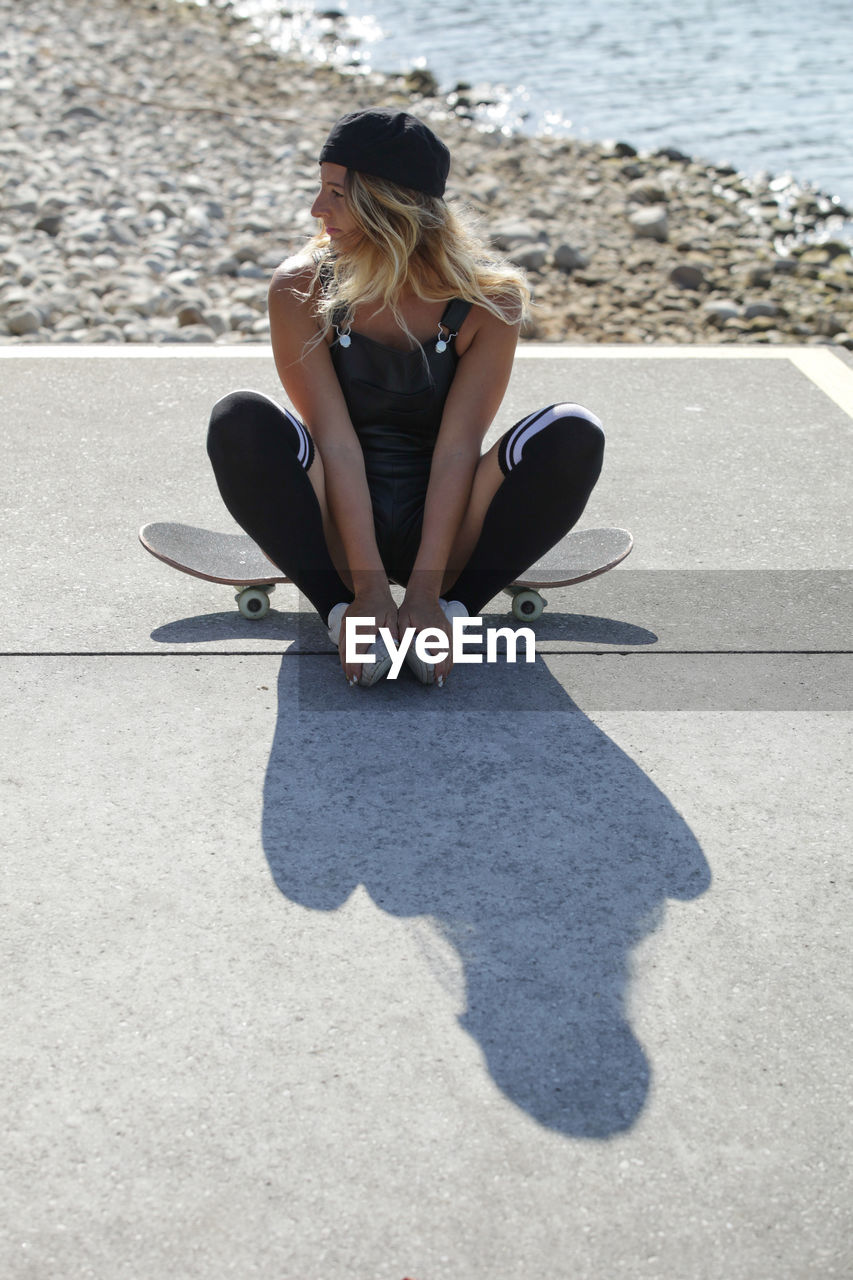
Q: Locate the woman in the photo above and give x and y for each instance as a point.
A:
(393, 335)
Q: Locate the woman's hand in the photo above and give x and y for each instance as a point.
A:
(376, 604)
(420, 612)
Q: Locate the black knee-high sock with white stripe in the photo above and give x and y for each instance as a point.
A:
(551, 461)
(260, 455)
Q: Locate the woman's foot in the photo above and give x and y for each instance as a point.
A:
(425, 671)
(371, 672)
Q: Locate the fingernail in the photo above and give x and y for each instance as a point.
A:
(440, 682)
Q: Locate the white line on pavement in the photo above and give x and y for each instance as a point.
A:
(819, 364)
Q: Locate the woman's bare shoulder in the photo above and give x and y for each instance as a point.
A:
(292, 310)
(294, 280)
(487, 328)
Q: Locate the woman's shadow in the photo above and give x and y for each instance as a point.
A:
(532, 843)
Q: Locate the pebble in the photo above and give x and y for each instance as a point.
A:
(568, 258)
(721, 310)
(507, 236)
(756, 309)
(147, 196)
(650, 223)
(23, 320)
(531, 257)
(687, 276)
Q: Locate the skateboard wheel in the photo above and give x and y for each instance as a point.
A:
(527, 606)
(253, 603)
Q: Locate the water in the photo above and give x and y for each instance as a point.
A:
(765, 85)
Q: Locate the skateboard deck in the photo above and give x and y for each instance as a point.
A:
(582, 554)
(236, 561)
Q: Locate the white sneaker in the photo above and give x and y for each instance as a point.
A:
(425, 671)
(336, 617)
(371, 672)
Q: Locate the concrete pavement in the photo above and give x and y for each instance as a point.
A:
(545, 974)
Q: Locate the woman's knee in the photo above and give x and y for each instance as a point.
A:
(232, 419)
(561, 436)
(578, 433)
(248, 423)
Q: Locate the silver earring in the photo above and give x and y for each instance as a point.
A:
(343, 338)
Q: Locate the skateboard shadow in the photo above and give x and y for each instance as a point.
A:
(502, 816)
(305, 632)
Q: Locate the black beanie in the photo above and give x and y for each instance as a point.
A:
(392, 145)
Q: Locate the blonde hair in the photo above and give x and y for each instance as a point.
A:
(409, 240)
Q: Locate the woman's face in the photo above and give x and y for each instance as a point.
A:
(331, 206)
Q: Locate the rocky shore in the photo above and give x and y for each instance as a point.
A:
(156, 164)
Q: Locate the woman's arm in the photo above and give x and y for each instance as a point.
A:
(312, 385)
(475, 395)
(313, 388)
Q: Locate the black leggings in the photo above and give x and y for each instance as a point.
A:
(261, 455)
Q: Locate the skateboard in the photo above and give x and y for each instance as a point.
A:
(235, 560)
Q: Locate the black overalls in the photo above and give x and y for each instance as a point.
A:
(396, 400)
